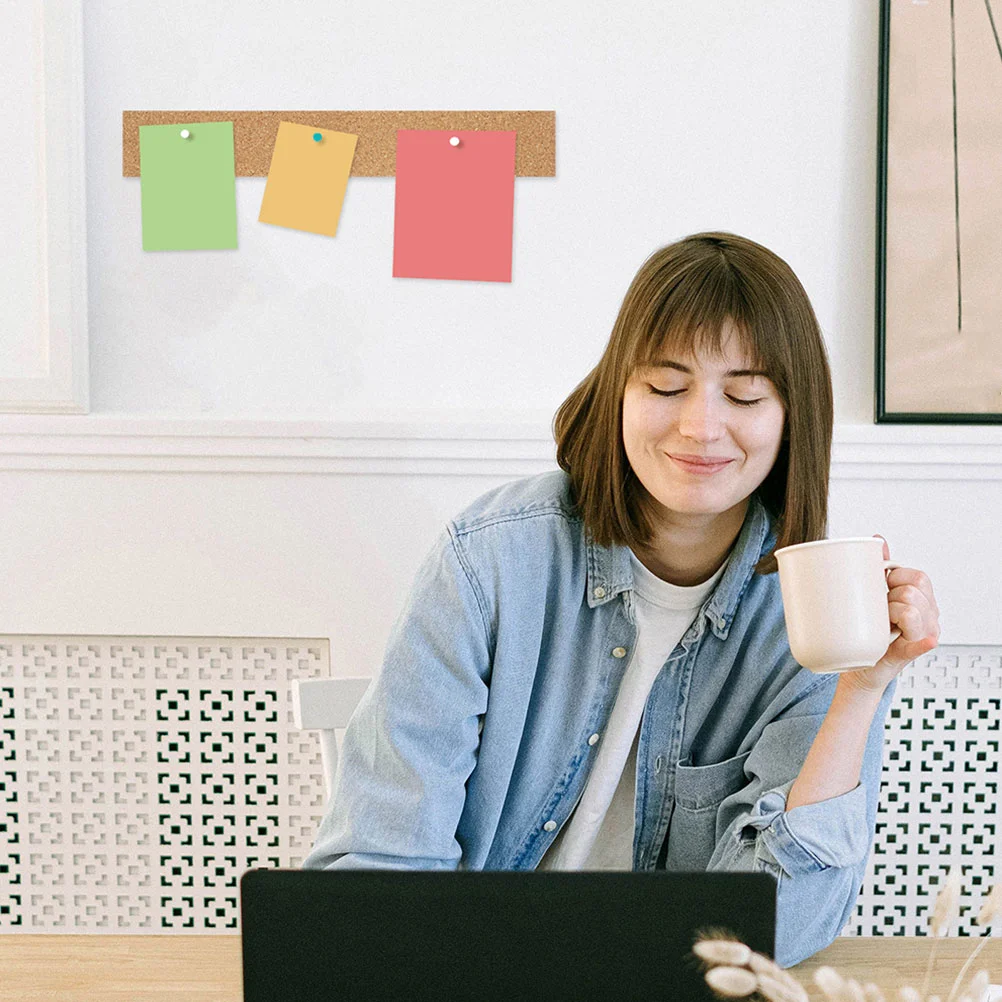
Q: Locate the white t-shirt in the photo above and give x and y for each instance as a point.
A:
(599, 833)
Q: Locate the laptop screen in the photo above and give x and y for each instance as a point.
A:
(381, 934)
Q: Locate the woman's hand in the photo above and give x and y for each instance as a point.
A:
(912, 608)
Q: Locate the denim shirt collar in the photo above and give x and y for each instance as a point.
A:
(610, 572)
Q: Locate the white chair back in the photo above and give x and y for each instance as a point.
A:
(326, 704)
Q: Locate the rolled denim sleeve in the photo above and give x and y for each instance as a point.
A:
(412, 742)
(817, 852)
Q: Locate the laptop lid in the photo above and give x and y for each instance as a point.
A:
(490, 936)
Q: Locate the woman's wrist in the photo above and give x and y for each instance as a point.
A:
(851, 690)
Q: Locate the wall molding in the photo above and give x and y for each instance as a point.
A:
(425, 445)
(62, 388)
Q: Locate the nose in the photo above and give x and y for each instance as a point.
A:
(701, 417)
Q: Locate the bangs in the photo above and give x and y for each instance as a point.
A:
(688, 317)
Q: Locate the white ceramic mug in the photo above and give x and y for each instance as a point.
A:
(835, 602)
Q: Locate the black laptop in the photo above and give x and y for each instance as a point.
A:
(490, 936)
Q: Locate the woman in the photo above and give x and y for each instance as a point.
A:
(592, 670)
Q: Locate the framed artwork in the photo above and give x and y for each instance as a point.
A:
(939, 213)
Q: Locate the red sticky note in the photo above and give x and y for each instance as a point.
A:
(454, 205)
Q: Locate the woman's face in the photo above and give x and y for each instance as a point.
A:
(704, 418)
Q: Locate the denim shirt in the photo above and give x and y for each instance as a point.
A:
(471, 747)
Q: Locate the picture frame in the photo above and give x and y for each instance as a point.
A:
(939, 204)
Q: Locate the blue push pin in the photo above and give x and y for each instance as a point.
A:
(317, 137)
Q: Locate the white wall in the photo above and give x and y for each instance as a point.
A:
(196, 499)
(144, 526)
(670, 119)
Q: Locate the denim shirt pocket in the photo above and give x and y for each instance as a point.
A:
(699, 791)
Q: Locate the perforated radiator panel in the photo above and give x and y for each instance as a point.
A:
(139, 777)
(142, 776)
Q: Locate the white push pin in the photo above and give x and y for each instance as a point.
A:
(454, 141)
(185, 133)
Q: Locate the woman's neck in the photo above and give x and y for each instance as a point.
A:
(687, 553)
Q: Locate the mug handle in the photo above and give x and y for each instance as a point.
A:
(889, 565)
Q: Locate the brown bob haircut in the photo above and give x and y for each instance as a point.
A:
(676, 306)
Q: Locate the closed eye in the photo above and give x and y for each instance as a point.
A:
(736, 400)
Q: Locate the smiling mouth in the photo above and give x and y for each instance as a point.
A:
(703, 469)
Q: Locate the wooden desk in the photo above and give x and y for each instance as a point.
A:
(120, 968)
(207, 968)
(892, 961)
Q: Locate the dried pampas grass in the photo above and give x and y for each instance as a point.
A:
(722, 951)
(944, 911)
(734, 970)
(831, 983)
(947, 906)
(991, 907)
(732, 982)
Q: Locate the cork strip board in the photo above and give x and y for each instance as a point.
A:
(254, 135)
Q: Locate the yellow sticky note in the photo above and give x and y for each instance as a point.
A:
(307, 178)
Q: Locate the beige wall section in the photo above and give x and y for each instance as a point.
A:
(931, 365)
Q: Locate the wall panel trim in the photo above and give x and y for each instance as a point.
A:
(62, 388)
(424, 445)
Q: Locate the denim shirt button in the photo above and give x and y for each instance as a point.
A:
(619, 652)
(549, 826)
(593, 739)
(599, 592)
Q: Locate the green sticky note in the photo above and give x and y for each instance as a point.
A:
(188, 186)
